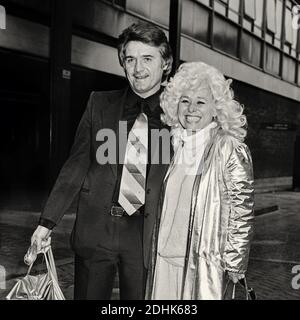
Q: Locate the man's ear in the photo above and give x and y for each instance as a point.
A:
(164, 65)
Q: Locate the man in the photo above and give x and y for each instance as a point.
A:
(117, 203)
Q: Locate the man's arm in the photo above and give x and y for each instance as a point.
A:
(69, 180)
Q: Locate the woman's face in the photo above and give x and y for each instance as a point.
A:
(196, 109)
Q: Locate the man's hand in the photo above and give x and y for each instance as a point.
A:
(235, 277)
(40, 236)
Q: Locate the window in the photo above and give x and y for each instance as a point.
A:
(120, 3)
(141, 7)
(271, 16)
(294, 44)
(298, 42)
(221, 6)
(250, 49)
(288, 25)
(234, 9)
(201, 16)
(259, 5)
(228, 8)
(290, 34)
(187, 17)
(272, 61)
(258, 12)
(206, 2)
(289, 69)
(159, 11)
(253, 16)
(225, 36)
(195, 20)
(250, 9)
(279, 8)
(249, 14)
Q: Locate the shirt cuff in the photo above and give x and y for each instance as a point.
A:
(47, 223)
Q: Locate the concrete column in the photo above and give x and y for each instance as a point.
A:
(60, 75)
(296, 172)
(175, 31)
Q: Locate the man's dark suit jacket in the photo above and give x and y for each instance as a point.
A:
(95, 183)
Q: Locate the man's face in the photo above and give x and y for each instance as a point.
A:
(144, 67)
(196, 109)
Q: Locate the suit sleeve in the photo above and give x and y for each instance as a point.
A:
(72, 174)
(241, 196)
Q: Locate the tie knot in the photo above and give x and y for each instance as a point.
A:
(143, 107)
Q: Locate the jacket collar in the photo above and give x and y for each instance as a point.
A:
(152, 101)
(111, 116)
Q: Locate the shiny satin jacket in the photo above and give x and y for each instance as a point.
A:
(221, 219)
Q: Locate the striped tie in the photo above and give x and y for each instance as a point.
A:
(133, 181)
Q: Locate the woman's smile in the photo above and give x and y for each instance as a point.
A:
(193, 118)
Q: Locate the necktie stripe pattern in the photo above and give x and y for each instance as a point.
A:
(130, 207)
(136, 137)
(138, 152)
(133, 168)
(138, 149)
(133, 181)
(134, 173)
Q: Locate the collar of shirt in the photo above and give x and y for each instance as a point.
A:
(152, 101)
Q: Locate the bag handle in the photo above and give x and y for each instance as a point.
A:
(249, 292)
(48, 256)
(53, 274)
(32, 251)
(50, 265)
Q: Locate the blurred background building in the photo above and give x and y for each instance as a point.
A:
(53, 53)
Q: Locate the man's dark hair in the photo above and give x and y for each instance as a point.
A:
(149, 34)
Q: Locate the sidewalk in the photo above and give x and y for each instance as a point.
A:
(274, 252)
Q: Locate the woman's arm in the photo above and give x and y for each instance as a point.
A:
(239, 181)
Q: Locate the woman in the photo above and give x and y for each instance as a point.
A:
(206, 222)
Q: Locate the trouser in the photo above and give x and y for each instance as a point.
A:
(94, 277)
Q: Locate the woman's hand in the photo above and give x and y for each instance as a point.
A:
(235, 277)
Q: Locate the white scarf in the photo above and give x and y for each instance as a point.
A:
(177, 200)
(189, 149)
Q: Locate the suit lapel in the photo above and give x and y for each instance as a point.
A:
(111, 117)
(154, 168)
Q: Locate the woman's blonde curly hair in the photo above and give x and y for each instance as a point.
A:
(190, 76)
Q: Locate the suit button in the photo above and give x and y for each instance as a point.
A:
(148, 191)
(146, 215)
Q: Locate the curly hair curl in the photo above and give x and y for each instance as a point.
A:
(191, 76)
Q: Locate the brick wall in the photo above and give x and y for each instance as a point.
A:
(272, 150)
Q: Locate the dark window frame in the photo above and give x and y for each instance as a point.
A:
(263, 39)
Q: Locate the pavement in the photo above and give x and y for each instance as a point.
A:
(274, 265)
